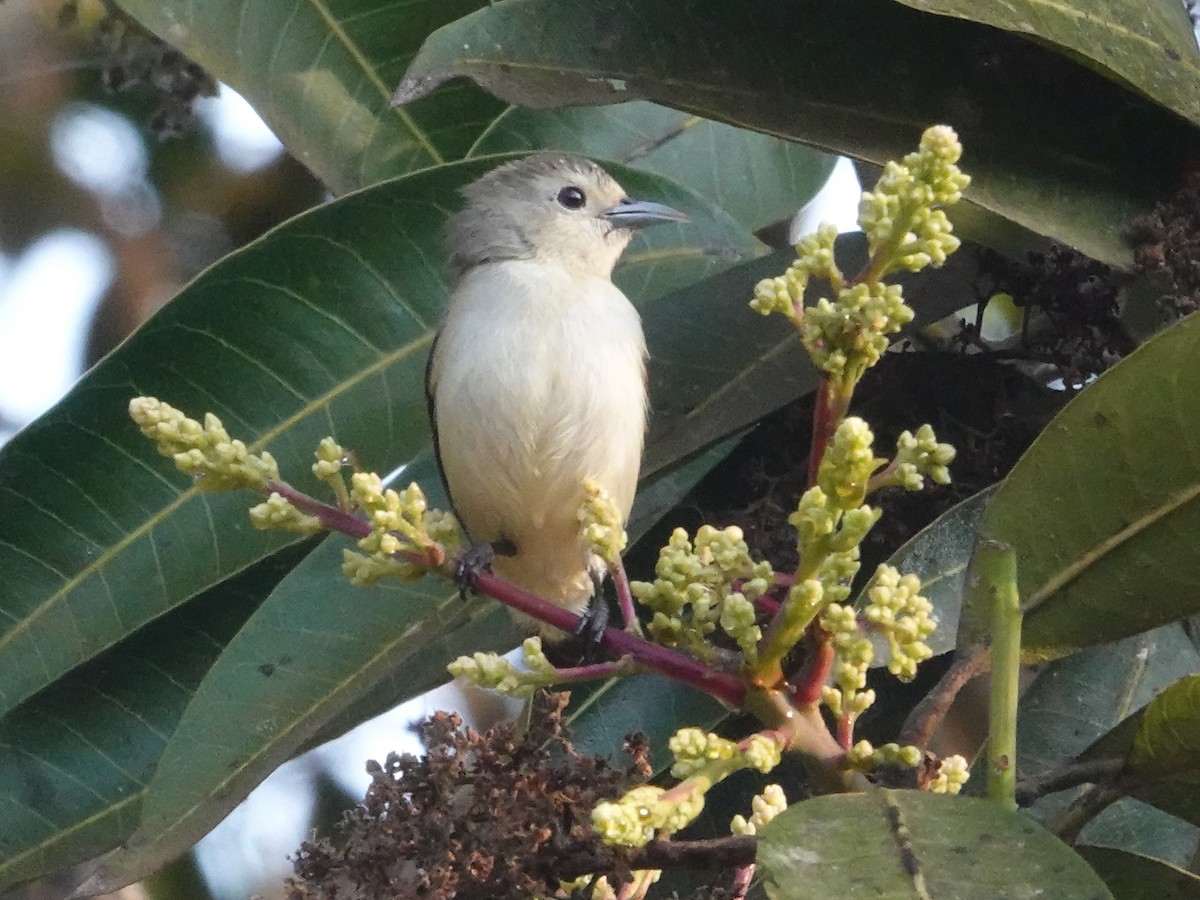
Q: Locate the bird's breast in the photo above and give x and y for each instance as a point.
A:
(539, 383)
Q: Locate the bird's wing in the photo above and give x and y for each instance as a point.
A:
(430, 406)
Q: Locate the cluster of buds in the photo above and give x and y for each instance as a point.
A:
(952, 774)
(704, 585)
(494, 672)
(701, 760)
(918, 457)
(896, 609)
(848, 696)
(763, 808)
(406, 538)
(204, 451)
(906, 231)
(905, 227)
(601, 523)
(865, 758)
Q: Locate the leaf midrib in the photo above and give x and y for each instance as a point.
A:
(102, 560)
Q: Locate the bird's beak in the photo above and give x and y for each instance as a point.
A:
(637, 213)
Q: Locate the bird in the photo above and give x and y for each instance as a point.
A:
(536, 380)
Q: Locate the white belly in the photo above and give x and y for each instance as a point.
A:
(539, 384)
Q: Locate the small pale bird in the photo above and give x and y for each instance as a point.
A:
(537, 380)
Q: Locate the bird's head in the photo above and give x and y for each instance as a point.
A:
(555, 206)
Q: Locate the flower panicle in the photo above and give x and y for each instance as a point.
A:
(203, 450)
(701, 760)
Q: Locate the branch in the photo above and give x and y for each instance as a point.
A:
(727, 688)
(927, 715)
(735, 851)
(1067, 776)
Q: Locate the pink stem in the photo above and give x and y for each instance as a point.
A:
(331, 517)
(624, 594)
(767, 605)
(726, 688)
(741, 881)
(845, 735)
(818, 660)
(592, 672)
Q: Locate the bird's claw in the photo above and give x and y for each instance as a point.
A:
(478, 558)
(592, 624)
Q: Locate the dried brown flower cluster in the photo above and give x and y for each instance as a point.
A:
(133, 57)
(493, 815)
(1168, 242)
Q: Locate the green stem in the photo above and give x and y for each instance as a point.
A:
(996, 572)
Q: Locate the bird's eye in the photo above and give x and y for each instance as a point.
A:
(572, 198)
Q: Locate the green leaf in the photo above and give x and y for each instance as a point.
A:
(1137, 827)
(1103, 507)
(1089, 706)
(938, 554)
(317, 658)
(915, 844)
(1149, 44)
(321, 72)
(322, 326)
(1132, 876)
(75, 760)
(860, 77)
(1166, 751)
(269, 693)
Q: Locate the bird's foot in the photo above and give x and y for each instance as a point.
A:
(478, 558)
(591, 626)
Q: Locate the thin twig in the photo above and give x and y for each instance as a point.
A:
(730, 852)
(729, 689)
(624, 595)
(927, 715)
(1067, 776)
(1075, 817)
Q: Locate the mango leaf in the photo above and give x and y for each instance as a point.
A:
(1136, 827)
(1148, 44)
(861, 77)
(321, 327)
(320, 74)
(939, 554)
(1166, 751)
(75, 761)
(915, 844)
(1089, 706)
(327, 653)
(1103, 506)
(1132, 876)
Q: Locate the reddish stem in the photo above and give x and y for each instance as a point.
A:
(814, 672)
(727, 688)
(591, 672)
(742, 879)
(767, 605)
(624, 594)
(845, 731)
(826, 414)
(331, 517)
